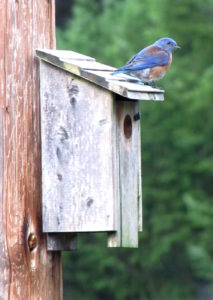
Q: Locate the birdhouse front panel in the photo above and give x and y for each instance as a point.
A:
(77, 153)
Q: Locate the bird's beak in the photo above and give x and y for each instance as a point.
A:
(177, 47)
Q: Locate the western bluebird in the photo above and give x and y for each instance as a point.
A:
(152, 62)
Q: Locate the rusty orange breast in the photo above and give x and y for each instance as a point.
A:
(158, 72)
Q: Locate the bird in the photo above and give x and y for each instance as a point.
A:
(151, 63)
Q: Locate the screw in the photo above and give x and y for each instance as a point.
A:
(137, 116)
(32, 241)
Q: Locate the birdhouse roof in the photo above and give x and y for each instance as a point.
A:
(88, 68)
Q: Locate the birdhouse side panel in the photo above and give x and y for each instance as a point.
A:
(77, 153)
(128, 151)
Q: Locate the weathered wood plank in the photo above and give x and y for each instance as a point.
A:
(89, 65)
(140, 196)
(128, 174)
(108, 76)
(114, 238)
(64, 55)
(4, 257)
(85, 69)
(77, 154)
(27, 270)
(145, 96)
(136, 87)
(61, 241)
(128, 137)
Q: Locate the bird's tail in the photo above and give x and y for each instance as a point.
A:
(119, 71)
(124, 76)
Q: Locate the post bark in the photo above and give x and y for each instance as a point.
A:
(27, 270)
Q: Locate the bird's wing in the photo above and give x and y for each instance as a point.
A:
(149, 57)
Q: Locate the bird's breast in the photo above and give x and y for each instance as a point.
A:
(158, 72)
(155, 73)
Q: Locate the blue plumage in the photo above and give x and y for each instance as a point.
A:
(152, 62)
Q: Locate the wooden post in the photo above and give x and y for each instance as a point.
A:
(27, 270)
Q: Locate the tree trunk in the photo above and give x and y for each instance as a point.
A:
(27, 270)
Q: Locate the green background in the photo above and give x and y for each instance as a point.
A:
(175, 256)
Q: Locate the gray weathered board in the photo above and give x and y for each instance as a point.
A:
(77, 155)
(62, 241)
(91, 171)
(128, 174)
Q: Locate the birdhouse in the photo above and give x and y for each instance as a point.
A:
(91, 150)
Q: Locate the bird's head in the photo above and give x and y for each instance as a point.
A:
(167, 44)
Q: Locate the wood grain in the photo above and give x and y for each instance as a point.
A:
(128, 188)
(140, 183)
(36, 274)
(128, 137)
(62, 241)
(77, 153)
(44, 54)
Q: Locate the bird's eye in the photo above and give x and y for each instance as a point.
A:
(168, 42)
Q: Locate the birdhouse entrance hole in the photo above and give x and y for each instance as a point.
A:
(128, 126)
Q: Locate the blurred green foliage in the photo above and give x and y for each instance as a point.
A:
(175, 256)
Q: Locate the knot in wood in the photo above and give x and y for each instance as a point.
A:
(32, 241)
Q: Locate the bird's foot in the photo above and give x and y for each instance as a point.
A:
(157, 87)
(151, 84)
(135, 80)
